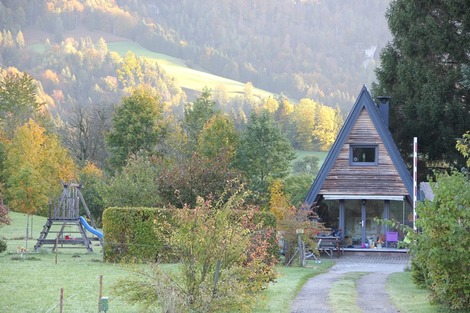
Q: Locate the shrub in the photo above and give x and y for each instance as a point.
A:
(3, 246)
(224, 262)
(441, 251)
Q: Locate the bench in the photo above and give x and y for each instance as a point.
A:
(329, 244)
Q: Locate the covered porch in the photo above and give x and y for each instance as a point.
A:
(366, 223)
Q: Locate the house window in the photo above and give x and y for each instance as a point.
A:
(363, 155)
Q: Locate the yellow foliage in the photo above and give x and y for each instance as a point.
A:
(90, 169)
(279, 201)
(34, 165)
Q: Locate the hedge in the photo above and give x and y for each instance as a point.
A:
(135, 233)
(141, 234)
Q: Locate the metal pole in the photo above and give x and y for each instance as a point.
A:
(415, 179)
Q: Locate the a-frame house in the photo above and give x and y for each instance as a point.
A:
(363, 177)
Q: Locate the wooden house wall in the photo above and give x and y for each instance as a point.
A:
(345, 179)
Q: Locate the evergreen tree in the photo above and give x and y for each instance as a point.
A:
(196, 116)
(421, 69)
(18, 101)
(264, 152)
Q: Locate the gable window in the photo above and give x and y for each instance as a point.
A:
(363, 155)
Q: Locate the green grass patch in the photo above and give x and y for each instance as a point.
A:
(345, 294)
(408, 297)
(31, 282)
(187, 77)
(321, 155)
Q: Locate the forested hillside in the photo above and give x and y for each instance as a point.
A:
(84, 95)
(323, 50)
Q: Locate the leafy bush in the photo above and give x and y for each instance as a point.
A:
(224, 261)
(441, 251)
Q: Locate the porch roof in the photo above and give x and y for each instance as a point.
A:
(363, 197)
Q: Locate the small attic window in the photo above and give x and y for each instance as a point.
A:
(363, 155)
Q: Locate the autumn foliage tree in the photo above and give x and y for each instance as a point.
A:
(180, 183)
(35, 163)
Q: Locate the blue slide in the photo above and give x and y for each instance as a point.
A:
(91, 229)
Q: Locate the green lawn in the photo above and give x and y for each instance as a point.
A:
(407, 297)
(32, 283)
(321, 155)
(344, 293)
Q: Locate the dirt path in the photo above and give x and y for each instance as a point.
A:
(372, 297)
(314, 296)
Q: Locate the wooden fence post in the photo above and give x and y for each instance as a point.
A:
(100, 293)
(61, 302)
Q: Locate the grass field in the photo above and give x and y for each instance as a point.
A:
(189, 78)
(321, 155)
(32, 282)
(407, 297)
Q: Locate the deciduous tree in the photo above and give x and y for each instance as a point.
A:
(135, 185)
(137, 126)
(181, 182)
(34, 166)
(218, 137)
(441, 251)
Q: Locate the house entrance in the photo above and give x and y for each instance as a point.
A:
(360, 228)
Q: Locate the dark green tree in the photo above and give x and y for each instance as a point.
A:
(197, 114)
(263, 152)
(421, 69)
(137, 126)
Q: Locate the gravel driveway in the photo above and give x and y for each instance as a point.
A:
(314, 295)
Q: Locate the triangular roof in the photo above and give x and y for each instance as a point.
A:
(364, 102)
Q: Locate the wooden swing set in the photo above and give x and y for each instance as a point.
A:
(66, 223)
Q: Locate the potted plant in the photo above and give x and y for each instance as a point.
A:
(380, 241)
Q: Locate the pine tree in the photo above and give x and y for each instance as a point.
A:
(421, 69)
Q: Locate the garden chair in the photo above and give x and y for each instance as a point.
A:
(391, 239)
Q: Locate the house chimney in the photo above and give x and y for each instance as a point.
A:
(383, 106)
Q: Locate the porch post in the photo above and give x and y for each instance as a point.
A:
(341, 218)
(363, 221)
